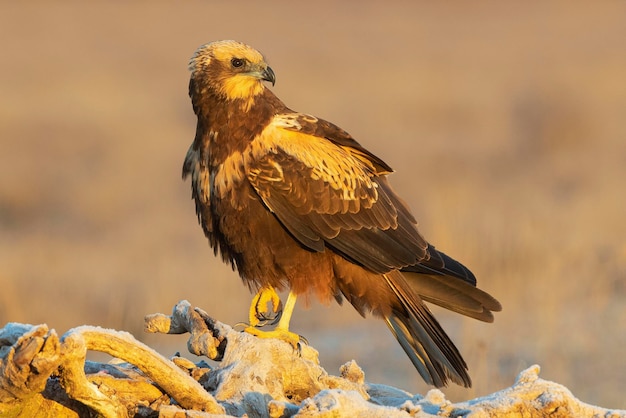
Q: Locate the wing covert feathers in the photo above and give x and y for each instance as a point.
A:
(331, 195)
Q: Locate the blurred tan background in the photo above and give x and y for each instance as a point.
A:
(506, 124)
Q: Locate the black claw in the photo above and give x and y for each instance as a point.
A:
(299, 347)
(240, 324)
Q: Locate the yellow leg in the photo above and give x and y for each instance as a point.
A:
(282, 329)
(287, 312)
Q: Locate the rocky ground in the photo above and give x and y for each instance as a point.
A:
(47, 376)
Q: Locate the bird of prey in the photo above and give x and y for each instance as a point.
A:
(294, 202)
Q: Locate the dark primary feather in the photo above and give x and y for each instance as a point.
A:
(439, 263)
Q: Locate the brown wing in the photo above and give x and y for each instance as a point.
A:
(332, 193)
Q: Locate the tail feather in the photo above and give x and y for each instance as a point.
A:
(416, 351)
(400, 299)
(445, 282)
(455, 295)
(431, 351)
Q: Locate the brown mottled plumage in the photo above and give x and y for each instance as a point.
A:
(293, 201)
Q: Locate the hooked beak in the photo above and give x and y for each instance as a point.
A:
(268, 75)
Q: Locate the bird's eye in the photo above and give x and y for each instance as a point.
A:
(236, 62)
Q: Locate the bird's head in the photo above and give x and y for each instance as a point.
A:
(233, 70)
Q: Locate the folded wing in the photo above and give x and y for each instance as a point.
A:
(328, 191)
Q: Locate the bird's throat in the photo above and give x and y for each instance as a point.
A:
(242, 87)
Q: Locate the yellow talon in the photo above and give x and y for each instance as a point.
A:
(259, 311)
(281, 331)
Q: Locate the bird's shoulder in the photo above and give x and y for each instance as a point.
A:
(316, 143)
(300, 150)
(319, 135)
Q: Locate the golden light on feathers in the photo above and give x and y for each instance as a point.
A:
(294, 202)
(237, 69)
